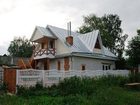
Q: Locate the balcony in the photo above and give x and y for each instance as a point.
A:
(44, 53)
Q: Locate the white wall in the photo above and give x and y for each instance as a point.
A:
(91, 64)
(76, 62)
(60, 47)
(53, 63)
(37, 35)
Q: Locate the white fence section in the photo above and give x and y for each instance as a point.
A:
(48, 77)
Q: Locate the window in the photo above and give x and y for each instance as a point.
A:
(58, 65)
(97, 45)
(42, 45)
(51, 44)
(103, 67)
(83, 67)
(106, 66)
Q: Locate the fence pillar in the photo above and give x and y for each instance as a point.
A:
(10, 78)
(43, 78)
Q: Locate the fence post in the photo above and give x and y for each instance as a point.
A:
(43, 77)
(17, 79)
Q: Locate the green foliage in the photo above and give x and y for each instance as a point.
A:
(106, 90)
(76, 85)
(121, 64)
(36, 90)
(20, 47)
(110, 31)
(3, 88)
(133, 51)
(134, 77)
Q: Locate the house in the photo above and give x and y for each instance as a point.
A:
(55, 49)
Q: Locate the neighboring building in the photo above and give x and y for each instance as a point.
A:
(55, 49)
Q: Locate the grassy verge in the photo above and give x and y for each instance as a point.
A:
(106, 90)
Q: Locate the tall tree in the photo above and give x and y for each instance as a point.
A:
(20, 47)
(133, 50)
(110, 31)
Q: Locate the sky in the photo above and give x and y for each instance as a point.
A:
(19, 17)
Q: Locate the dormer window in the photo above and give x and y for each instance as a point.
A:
(97, 44)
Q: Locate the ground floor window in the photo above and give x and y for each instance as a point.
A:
(106, 66)
(58, 65)
(83, 67)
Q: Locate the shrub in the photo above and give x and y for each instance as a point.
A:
(3, 88)
(134, 77)
(36, 90)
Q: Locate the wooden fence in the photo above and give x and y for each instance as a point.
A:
(48, 77)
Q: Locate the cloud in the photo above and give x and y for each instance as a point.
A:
(7, 6)
(126, 9)
(3, 50)
(19, 17)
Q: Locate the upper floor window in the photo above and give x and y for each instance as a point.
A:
(97, 44)
(42, 45)
(51, 44)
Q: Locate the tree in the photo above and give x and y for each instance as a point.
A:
(110, 31)
(20, 47)
(133, 50)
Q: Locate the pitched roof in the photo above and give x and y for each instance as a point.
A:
(41, 33)
(89, 39)
(82, 43)
(78, 45)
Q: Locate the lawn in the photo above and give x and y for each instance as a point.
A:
(108, 90)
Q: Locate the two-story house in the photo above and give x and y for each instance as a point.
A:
(55, 49)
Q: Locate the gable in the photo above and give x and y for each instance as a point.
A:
(36, 35)
(40, 32)
(90, 39)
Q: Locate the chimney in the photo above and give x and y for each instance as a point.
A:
(69, 38)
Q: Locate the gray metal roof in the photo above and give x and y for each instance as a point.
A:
(89, 39)
(82, 43)
(78, 45)
(45, 32)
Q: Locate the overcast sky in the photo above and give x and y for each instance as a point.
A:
(19, 17)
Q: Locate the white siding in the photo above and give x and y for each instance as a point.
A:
(37, 35)
(60, 47)
(53, 63)
(91, 64)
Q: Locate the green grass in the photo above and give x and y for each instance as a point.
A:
(106, 90)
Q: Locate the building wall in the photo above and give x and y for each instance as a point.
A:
(77, 62)
(37, 35)
(90, 64)
(53, 63)
(60, 47)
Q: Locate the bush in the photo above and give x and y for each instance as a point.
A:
(36, 90)
(85, 86)
(134, 77)
(3, 88)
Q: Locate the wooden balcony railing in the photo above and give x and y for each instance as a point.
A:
(41, 52)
